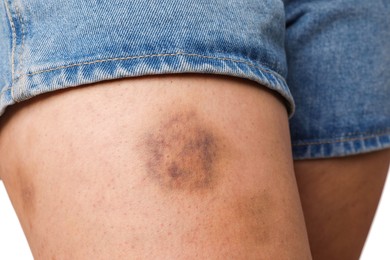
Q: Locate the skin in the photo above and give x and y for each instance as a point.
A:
(200, 149)
(79, 202)
(162, 167)
(339, 198)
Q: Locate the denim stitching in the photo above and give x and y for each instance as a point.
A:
(372, 134)
(158, 55)
(375, 132)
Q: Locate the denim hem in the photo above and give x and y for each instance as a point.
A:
(35, 83)
(5, 99)
(341, 147)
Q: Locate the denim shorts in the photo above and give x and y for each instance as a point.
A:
(328, 60)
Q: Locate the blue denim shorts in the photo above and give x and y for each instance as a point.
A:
(328, 60)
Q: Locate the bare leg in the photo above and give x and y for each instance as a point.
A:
(339, 199)
(165, 167)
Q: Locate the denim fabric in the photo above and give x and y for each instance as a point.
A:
(59, 44)
(337, 56)
(339, 75)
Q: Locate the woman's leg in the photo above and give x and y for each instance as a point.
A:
(162, 167)
(339, 199)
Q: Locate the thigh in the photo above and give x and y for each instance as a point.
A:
(339, 199)
(342, 110)
(164, 167)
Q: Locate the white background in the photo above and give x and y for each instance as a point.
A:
(13, 245)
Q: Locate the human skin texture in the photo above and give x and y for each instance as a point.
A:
(339, 198)
(159, 167)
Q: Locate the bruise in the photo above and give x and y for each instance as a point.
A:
(254, 210)
(182, 153)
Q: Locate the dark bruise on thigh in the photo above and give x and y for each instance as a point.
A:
(182, 153)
